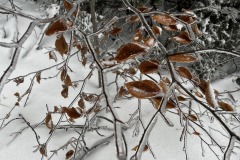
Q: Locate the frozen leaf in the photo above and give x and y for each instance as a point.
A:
(131, 71)
(48, 121)
(157, 102)
(68, 81)
(122, 91)
(133, 19)
(187, 19)
(163, 86)
(64, 92)
(143, 89)
(181, 98)
(17, 94)
(166, 80)
(157, 30)
(38, 77)
(184, 72)
(69, 154)
(144, 9)
(53, 56)
(19, 80)
(138, 36)
(210, 97)
(147, 67)
(115, 31)
(183, 58)
(172, 28)
(182, 38)
(67, 5)
(63, 74)
(81, 104)
(196, 133)
(225, 106)
(198, 94)
(61, 45)
(149, 41)
(196, 30)
(128, 51)
(136, 147)
(203, 86)
(192, 117)
(164, 19)
(74, 113)
(42, 150)
(55, 27)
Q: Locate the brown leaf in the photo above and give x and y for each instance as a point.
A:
(181, 98)
(225, 106)
(149, 41)
(203, 86)
(68, 81)
(163, 86)
(143, 89)
(182, 38)
(74, 113)
(38, 77)
(67, 5)
(166, 80)
(164, 19)
(147, 67)
(19, 80)
(52, 55)
(122, 91)
(64, 92)
(183, 58)
(192, 117)
(210, 97)
(42, 150)
(115, 31)
(172, 28)
(144, 150)
(61, 45)
(17, 94)
(187, 19)
(131, 71)
(133, 19)
(81, 103)
(128, 51)
(69, 154)
(196, 133)
(184, 72)
(55, 27)
(157, 30)
(157, 102)
(196, 30)
(198, 94)
(138, 36)
(48, 121)
(63, 74)
(144, 9)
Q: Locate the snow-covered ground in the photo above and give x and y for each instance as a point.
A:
(164, 140)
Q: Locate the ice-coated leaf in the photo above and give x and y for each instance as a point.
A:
(115, 31)
(157, 30)
(128, 51)
(186, 18)
(147, 67)
(183, 58)
(81, 104)
(74, 113)
(210, 96)
(55, 27)
(157, 102)
(181, 98)
(138, 36)
(192, 117)
(42, 150)
(144, 9)
(172, 28)
(64, 92)
(184, 72)
(61, 45)
(143, 89)
(196, 133)
(48, 121)
(68, 81)
(198, 94)
(38, 77)
(149, 41)
(67, 5)
(136, 147)
(63, 74)
(163, 86)
(133, 19)
(69, 154)
(53, 56)
(182, 38)
(225, 106)
(164, 19)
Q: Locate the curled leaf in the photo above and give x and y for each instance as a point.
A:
(128, 51)
(164, 19)
(147, 67)
(143, 89)
(55, 27)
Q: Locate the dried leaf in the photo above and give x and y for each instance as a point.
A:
(67, 5)
(172, 28)
(182, 38)
(147, 67)
(122, 91)
(181, 98)
(63, 74)
(157, 102)
(144, 9)
(187, 19)
(68, 81)
(48, 121)
(163, 86)
(143, 89)
(81, 103)
(115, 31)
(210, 97)
(184, 72)
(133, 19)
(19, 80)
(131, 71)
(198, 94)
(69, 154)
(61, 45)
(192, 117)
(53, 56)
(38, 77)
(17, 94)
(157, 30)
(138, 36)
(149, 41)
(196, 133)
(203, 86)
(196, 30)
(225, 106)
(74, 113)
(64, 92)
(42, 150)
(128, 51)
(183, 58)
(144, 150)
(166, 80)
(56, 27)
(164, 19)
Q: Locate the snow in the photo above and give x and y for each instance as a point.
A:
(164, 140)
